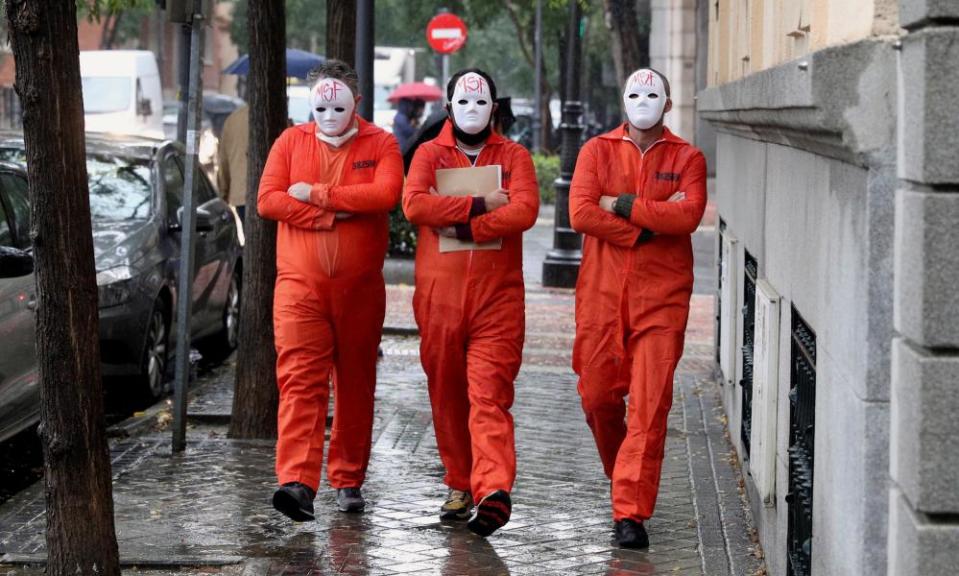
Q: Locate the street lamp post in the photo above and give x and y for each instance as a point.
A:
(538, 81)
(561, 266)
(365, 41)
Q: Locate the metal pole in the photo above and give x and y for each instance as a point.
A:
(183, 81)
(538, 80)
(561, 266)
(158, 31)
(446, 71)
(187, 237)
(365, 41)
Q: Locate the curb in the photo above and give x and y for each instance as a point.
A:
(139, 423)
(401, 331)
(399, 271)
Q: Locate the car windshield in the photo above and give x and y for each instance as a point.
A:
(119, 187)
(102, 94)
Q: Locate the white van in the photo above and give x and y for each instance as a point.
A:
(298, 103)
(122, 92)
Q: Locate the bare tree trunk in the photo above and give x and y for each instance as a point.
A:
(628, 51)
(110, 27)
(526, 37)
(256, 398)
(341, 30)
(76, 459)
(644, 20)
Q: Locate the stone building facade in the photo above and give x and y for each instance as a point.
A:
(837, 184)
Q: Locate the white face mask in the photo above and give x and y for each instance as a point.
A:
(644, 99)
(333, 104)
(472, 104)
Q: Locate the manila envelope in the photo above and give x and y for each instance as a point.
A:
(468, 182)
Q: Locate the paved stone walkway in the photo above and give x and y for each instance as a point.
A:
(207, 511)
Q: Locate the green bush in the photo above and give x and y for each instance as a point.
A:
(547, 171)
(402, 235)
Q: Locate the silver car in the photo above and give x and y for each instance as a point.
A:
(19, 386)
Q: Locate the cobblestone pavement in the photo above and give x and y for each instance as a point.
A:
(207, 511)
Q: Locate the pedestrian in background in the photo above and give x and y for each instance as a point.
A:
(406, 122)
(232, 154)
(469, 304)
(330, 183)
(637, 194)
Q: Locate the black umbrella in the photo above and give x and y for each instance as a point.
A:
(217, 107)
(427, 131)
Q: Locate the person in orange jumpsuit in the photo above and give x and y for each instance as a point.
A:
(330, 184)
(637, 195)
(469, 305)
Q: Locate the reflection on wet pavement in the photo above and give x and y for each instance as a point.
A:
(208, 510)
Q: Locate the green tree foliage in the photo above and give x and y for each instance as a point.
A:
(547, 171)
(500, 34)
(305, 25)
(94, 9)
(402, 235)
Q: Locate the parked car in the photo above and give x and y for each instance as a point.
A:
(136, 192)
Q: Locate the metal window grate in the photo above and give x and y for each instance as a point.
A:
(750, 273)
(802, 427)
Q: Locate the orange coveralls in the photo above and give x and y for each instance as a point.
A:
(330, 297)
(470, 310)
(632, 301)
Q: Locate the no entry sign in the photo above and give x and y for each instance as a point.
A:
(446, 33)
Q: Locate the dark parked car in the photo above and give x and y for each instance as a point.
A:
(136, 192)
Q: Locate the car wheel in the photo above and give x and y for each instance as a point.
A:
(155, 355)
(219, 346)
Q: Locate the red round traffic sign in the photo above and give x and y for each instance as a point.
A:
(446, 33)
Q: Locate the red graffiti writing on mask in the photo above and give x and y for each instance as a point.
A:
(329, 90)
(472, 84)
(642, 78)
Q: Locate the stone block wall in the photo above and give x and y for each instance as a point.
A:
(924, 499)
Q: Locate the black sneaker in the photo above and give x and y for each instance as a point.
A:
(491, 513)
(631, 534)
(350, 500)
(295, 500)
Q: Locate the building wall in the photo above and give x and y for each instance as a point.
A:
(924, 500)
(805, 180)
(672, 51)
(752, 35)
(837, 170)
(805, 218)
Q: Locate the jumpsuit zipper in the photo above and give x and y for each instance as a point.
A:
(629, 255)
(323, 246)
(469, 255)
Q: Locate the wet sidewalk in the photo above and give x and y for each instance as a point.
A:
(207, 511)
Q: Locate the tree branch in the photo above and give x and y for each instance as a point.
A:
(520, 32)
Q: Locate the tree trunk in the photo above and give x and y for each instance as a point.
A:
(76, 459)
(341, 30)
(644, 19)
(110, 27)
(256, 398)
(628, 38)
